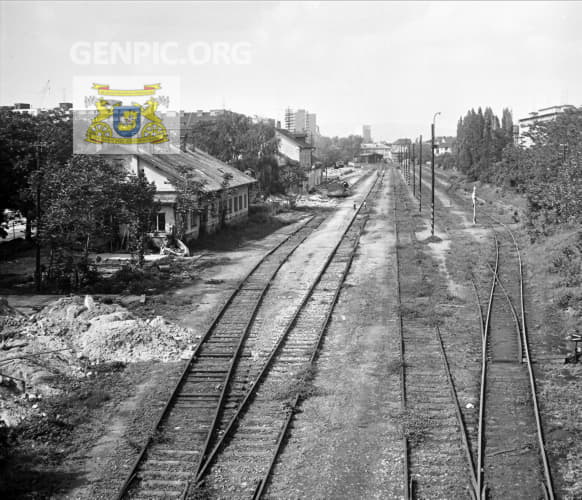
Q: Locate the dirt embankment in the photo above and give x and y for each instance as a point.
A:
(69, 338)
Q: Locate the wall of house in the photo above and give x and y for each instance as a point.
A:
(241, 194)
(305, 156)
(314, 178)
(288, 147)
(237, 209)
(208, 220)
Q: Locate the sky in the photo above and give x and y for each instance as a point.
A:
(391, 65)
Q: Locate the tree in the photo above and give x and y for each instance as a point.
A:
(235, 140)
(81, 204)
(139, 209)
(26, 142)
(553, 183)
(480, 142)
(334, 149)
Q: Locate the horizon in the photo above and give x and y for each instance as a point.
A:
(389, 65)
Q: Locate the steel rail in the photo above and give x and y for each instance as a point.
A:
(480, 486)
(458, 413)
(478, 301)
(264, 482)
(407, 486)
(132, 474)
(513, 313)
(548, 486)
(290, 325)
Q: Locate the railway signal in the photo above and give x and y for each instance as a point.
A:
(474, 198)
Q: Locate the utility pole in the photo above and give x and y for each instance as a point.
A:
(432, 178)
(37, 274)
(420, 176)
(406, 164)
(413, 169)
(409, 164)
(408, 160)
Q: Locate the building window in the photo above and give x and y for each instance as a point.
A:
(160, 222)
(240, 202)
(230, 205)
(245, 200)
(236, 203)
(192, 218)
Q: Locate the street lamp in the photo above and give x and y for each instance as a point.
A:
(407, 163)
(432, 171)
(420, 175)
(413, 169)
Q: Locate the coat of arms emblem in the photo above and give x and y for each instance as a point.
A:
(116, 123)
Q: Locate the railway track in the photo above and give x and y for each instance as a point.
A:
(510, 450)
(438, 460)
(511, 455)
(242, 462)
(187, 425)
(214, 384)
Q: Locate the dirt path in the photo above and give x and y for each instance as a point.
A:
(344, 443)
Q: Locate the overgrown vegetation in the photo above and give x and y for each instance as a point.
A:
(545, 166)
(414, 425)
(32, 451)
(78, 202)
(481, 139)
(301, 385)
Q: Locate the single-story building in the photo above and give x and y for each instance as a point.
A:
(370, 157)
(294, 150)
(225, 192)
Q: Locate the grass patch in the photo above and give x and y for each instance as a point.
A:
(413, 426)
(301, 385)
(258, 225)
(394, 367)
(32, 451)
(408, 312)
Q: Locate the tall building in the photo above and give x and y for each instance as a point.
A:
(289, 120)
(301, 122)
(311, 127)
(367, 133)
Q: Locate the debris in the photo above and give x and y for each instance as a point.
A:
(470, 406)
(66, 337)
(89, 303)
(213, 281)
(142, 298)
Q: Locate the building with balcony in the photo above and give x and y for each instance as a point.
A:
(540, 116)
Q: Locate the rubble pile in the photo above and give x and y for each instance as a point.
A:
(67, 338)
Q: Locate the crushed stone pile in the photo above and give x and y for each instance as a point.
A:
(68, 337)
(101, 332)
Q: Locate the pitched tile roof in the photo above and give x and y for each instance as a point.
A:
(207, 168)
(300, 142)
